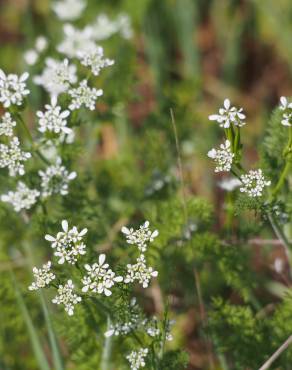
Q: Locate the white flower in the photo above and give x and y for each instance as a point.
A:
(286, 107)
(140, 272)
(22, 198)
(104, 28)
(12, 156)
(229, 184)
(254, 183)
(12, 89)
(76, 41)
(137, 358)
(68, 244)
(55, 180)
(67, 297)
(54, 120)
(84, 95)
(141, 236)
(41, 43)
(30, 57)
(278, 265)
(6, 125)
(94, 59)
(69, 9)
(223, 157)
(57, 76)
(42, 276)
(228, 115)
(100, 278)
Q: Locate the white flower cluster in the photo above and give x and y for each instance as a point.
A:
(22, 198)
(286, 107)
(137, 358)
(223, 157)
(68, 244)
(54, 120)
(12, 156)
(123, 328)
(229, 184)
(229, 115)
(55, 180)
(84, 95)
(6, 125)
(31, 56)
(94, 59)
(13, 89)
(57, 76)
(253, 183)
(141, 236)
(69, 9)
(76, 41)
(67, 297)
(43, 276)
(104, 28)
(100, 278)
(139, 271)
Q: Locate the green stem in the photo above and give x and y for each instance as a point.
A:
(287, 155)
(34, 148)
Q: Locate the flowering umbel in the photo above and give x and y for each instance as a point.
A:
(223, 157)
(13, 89)
(12, 156)
(100, 278)
(141, 236)
(67, 297)
(229, 115)
(253, 183)
(68, 244)
(43, 276)
(137, 358)
(22, 198)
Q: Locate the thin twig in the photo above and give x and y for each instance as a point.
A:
(281, 236)
(180, 167)
(281, 349)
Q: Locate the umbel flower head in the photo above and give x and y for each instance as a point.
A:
(140, 272)
(12, 89)
(286, 107)
(69, 10)
(100, 278)
(55, 180)
(22, 198)
(228, 115)
(57, 76)
(94, 59)
(12, 156)
(137, 358)
(42, 276)
(68, 244)
(6, 125)
(223, 157)
(253, 183)
(54, 120)
(76, 41)
(84, 95)
(140, 237)
(67, 297)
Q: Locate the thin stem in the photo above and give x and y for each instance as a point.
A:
(106, 353)
(179, 162)
(279, 351)
(287, 155)
(282, 178)
(282, 237)
(30, 138)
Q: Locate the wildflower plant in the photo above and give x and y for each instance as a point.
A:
(105, 289)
